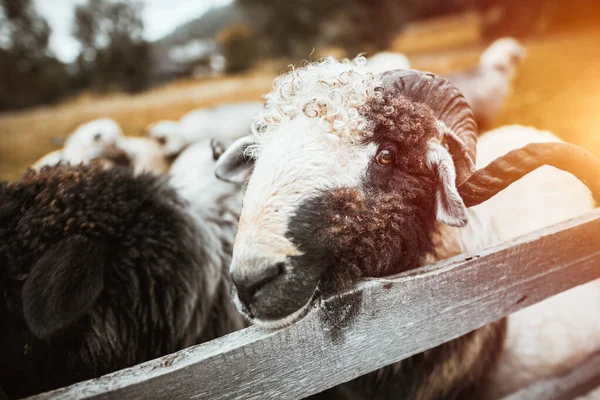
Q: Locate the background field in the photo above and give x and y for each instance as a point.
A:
(557, 88)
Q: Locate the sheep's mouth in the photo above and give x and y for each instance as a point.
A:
(282, 306)
(290, 319)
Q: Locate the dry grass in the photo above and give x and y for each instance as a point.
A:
(26, 135)
(558, 88)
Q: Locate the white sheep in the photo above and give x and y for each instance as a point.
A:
(84, 143)
(487, 86)
(554, 335)
(224, 122)
(387, 61)
(353, 175)
(103, 140)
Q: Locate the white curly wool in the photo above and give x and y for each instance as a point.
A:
(329, 91)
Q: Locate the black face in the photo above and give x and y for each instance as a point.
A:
(288, 280)
(378, 230)
(383, 227)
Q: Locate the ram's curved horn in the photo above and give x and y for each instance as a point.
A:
(450, 108)
(501, 172)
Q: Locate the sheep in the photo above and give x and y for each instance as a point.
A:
(141, 154)
(551, 336)
(351, 175)
(487, 86)
(387, 61)
(225, 122)
(103, 268)
(84, 143)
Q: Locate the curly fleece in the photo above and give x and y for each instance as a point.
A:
(385, 226)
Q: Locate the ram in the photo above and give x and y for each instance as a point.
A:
(225, 122)
(354, 175)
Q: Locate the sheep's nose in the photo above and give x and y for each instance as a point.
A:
(248, 283)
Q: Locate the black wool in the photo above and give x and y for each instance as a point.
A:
(99, 270)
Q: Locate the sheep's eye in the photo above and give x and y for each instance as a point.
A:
(161, 140)
(502, 68)
(97, 137)
(384, 157)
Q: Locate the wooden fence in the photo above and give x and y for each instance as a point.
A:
(379, 322)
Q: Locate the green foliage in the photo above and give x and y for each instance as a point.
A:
(30, 74)
(114, 54)
(295, 28)
(238, 48)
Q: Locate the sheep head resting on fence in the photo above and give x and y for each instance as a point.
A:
(351, 172)
(350, 175)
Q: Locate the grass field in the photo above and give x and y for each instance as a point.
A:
(558, 88)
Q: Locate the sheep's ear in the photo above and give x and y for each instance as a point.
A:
(57, 140)
(450, 208)
(217, 148)
(62, 285)
(115, 155)
(233, 166)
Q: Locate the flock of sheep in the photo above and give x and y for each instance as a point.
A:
(115, 250)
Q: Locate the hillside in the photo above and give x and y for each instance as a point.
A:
(548, 94)
(206, 26)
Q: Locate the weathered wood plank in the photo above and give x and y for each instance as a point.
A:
(387, 320)
(578, 381)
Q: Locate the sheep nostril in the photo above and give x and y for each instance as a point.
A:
(249, 284)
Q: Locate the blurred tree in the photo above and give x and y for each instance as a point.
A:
(30, 75)
(295, 28)
(113, 54)
(289, 28)
(238, 45)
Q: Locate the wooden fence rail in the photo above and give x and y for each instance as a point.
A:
(379, 322)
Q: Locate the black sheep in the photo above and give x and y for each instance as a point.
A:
(100, 270)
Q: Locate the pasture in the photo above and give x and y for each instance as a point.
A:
(557, 88)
